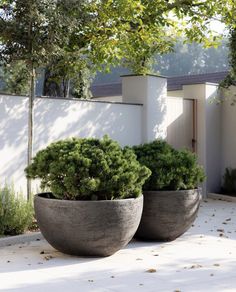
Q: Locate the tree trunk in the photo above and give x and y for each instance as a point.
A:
(68, 89)
(30, 127)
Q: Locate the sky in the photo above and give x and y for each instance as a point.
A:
(218, 26)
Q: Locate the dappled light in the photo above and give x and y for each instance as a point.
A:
(56, 119)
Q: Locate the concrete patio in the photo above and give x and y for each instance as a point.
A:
(203, 259)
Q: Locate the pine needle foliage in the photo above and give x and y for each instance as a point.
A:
(88, 169)
(171, 169)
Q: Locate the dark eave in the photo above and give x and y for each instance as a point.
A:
(173, 83)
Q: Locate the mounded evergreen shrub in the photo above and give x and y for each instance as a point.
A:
(16, 214)
(88, 169)
(171, 169)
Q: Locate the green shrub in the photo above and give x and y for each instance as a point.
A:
(16, 214)
(88, 169)
(171, 169)
(229, 181)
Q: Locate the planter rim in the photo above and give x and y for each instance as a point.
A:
(38, 195)
(171, 191)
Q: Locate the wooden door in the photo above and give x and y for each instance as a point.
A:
(181, 119)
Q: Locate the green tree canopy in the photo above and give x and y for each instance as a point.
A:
(71, 37)
(34, 32)
(226, 10)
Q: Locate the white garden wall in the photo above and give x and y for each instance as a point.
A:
(208, 130)
(216, 131)
(156, 115)
(204, 128)
(13, 140)
(228, 128)
(213, 139)
(151, 91)
(58, 119)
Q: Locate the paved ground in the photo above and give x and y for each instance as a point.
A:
(204, 259)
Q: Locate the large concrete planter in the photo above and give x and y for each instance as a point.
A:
(93, 228)
(168, 214)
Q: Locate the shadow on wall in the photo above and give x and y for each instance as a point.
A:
(214, 143)
(156, 110)
(13, 141)
(228, 136)
(57, 119)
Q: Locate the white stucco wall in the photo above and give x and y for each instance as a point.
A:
(208, 132)
(151, 91)
(127, 123)
(180, 122)
(213, 139)
(117, 98)
(175, 93)
(13, 140)
(228, 131)
(56, 119)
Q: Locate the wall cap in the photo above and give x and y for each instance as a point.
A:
(142, 75)
(73, 99)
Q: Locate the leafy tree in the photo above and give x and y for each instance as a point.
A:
(227, 12)
(15, 78)
(33, 32)
(187, 59)
(71, 64)
(58, 78)
(160, 24)
(98, 34)
(130, 33)
(231, 77)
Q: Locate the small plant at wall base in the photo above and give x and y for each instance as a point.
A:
(229, 182)
(171, 169)
(16, 214)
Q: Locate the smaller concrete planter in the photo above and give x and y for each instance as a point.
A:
(168, 214)
(93, 228)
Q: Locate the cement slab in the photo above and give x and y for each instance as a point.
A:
(203, 259)
(221, 197)
(18, 239)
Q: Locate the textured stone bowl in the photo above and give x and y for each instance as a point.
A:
(168, 214)
(88, 228)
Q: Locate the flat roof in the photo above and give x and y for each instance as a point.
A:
(173, 83)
